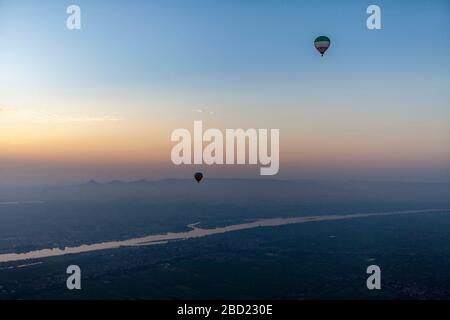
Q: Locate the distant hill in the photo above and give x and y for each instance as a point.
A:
(242, 191)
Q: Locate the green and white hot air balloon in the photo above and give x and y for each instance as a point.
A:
(322, 44)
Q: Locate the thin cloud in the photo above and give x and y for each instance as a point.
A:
(203, 111)
(46, 116)
(90, 119)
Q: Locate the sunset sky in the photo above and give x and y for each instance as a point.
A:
(101, 103)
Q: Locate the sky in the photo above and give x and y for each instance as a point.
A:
(101, 102)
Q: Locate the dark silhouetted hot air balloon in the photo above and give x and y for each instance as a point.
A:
(198, 176)
(322, 44)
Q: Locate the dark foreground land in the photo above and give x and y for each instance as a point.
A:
(317, 260)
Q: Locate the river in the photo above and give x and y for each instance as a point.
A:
(195, 232)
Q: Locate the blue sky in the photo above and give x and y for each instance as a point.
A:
(159, 60)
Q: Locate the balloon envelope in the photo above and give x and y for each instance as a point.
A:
(198, 176)
(322, 44)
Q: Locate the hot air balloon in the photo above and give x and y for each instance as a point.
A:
(322, 44)
(198, 176)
